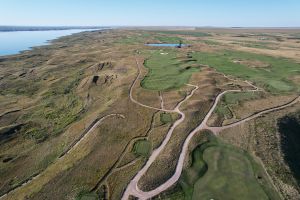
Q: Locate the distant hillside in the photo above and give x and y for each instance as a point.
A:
(44, 28)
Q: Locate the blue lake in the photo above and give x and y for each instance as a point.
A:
(164, 45)
(14, 42)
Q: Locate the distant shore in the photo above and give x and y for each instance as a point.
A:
(45, 28)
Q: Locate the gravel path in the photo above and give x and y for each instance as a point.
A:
(133, 189)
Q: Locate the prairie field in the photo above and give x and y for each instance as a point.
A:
(82, 116)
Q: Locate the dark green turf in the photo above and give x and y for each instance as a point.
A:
(166, 118)
(221, 171)
(142, 147)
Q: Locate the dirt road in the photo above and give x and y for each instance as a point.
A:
(133, 189)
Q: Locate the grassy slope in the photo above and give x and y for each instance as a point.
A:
(166, 71)
(235, 98)
(275, 78)
(56, 106)
(59, 107)
(229, 176)
(221, 171)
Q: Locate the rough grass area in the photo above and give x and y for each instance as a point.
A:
(144, 37)
(221, 171)
(236, 98)
(132, 39)
(186, 33)
(167, 71)
(142, 147)
(225, 109)
(211, 42)
(168, 39)
(296, 36)
(58, 108)
(258, 45)
(274, 77)
(15, 86)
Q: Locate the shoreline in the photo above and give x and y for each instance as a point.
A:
(46, 42)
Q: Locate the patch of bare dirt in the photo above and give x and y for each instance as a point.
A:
(296, 79)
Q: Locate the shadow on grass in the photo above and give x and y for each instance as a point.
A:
(289, 128)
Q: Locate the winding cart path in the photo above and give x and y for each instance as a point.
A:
(133, 189)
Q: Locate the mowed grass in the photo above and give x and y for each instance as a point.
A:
(142, 147)
(230, 175)
(221, 171)
(274, 78)
(87, 196)
(166, 118)
(167, 71)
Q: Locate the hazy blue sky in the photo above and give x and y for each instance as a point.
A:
(151, 12)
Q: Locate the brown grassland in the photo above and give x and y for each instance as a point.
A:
(52, 97)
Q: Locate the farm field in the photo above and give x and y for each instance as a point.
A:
(98, 114)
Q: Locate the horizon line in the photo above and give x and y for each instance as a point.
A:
(175, 26)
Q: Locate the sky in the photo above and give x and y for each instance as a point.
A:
(220, 13)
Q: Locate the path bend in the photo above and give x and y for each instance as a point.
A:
(133, 189)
